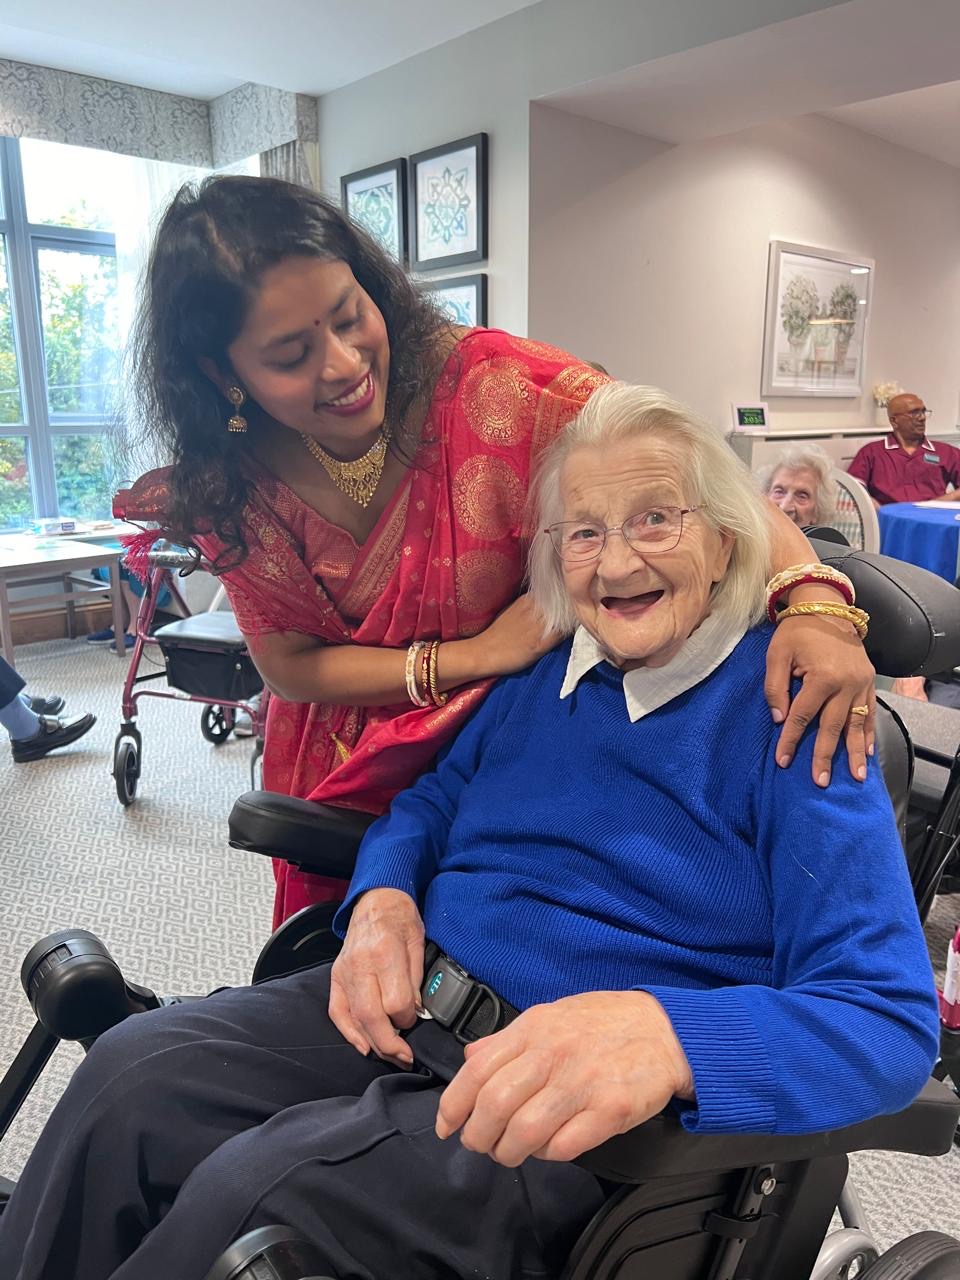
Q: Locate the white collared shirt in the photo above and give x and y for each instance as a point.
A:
(647, 688)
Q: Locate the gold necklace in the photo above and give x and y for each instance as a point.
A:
(357, 479)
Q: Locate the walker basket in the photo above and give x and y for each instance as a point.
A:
(207, 657)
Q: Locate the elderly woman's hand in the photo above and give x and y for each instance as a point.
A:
(375, 980)
(566, 1076)
(837, 677)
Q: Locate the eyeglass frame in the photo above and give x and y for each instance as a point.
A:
(914, 413)
(618, 528)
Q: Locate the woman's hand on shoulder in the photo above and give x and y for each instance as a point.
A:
(514, 641)
(375, 980)
(838, 683)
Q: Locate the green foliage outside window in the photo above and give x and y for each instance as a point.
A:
(79, 336)
(16, 504)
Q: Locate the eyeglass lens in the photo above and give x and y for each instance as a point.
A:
(657, 529)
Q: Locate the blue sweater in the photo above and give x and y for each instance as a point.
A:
(558, 848)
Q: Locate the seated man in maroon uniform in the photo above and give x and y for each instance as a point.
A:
(906, 466)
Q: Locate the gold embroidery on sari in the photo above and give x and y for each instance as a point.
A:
(540, 350)
(575, 384)
(343, 751)
(498, 401)
(379, 562)
(487, 497)
(485, 581)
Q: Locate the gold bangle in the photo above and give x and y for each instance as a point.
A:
(802, 574)
(825, 608)
(436, 697)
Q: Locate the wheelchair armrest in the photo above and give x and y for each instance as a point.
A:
(662, 1148)
(914, 614)
(314, 837)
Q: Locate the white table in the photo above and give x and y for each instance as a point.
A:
(26, 561)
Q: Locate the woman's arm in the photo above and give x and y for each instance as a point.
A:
(827, 655)
(301, 668)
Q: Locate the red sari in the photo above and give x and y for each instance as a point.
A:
(443, 560)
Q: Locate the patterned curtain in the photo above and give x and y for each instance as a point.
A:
(297, 161)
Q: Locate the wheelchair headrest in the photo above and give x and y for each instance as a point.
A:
(914, 614)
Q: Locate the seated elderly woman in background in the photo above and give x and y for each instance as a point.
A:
(614, 928)
(799, 484)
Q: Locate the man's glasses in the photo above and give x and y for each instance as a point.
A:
(916, 413)
(651, 532)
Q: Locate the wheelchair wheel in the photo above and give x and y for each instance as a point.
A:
(126, 770)
(269, 1253)
(929, 1255)
(216, 724)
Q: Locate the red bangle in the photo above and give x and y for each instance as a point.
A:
(814, 579)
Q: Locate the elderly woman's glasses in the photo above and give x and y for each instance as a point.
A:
(651, 532)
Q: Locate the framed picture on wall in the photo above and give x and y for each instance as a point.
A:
(462, 298)
(376, 198)
(815, 328)
(448, 204)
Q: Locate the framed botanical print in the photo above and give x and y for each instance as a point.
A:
(376, 198)
(462, 298)
(815, 330)
(448, 204)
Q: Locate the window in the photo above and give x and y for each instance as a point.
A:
(63, 287)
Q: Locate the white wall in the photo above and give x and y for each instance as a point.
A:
(484, 82)
(652, 259)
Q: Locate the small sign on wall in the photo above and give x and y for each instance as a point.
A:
(750, 417)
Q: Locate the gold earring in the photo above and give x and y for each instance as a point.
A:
(237, 424)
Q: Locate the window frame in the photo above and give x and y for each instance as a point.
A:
(23, 240)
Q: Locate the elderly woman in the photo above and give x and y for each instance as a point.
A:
(799, 484)
(613, 928)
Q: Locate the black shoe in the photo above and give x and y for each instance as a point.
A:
(51, 706)
(54, 732)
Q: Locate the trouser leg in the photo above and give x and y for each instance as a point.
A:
(154, 1097)
(368, 1182)
(11, 682)
(188, 1126)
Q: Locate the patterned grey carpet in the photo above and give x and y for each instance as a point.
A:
(183, 912)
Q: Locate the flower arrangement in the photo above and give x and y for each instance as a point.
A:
(798, 306)
(884, 392)
(843, 307)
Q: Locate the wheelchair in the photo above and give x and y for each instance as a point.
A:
(688, 1206)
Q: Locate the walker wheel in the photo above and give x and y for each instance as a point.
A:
(216, 723)
(126, 770)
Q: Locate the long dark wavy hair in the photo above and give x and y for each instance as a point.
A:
(211, 249)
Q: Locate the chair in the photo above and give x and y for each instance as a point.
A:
(856, 516)
(689, 1207)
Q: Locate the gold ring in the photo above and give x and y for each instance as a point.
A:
(860, 711)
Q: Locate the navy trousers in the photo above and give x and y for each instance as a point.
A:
(187, 1127)
(10, 683)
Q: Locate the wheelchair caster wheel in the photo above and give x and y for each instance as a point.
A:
(126, 769)
(216, 724)
(269, 1253)
(929, 1255)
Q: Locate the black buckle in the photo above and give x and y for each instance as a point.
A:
(451, 997)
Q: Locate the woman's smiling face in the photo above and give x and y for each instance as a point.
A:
(314, 354)
(639, 606)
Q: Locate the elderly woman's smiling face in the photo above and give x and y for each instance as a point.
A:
(640, 606)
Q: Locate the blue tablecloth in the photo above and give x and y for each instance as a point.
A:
(925, 536)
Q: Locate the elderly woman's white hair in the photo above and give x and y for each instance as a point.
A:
(714, 480)
(808, 457)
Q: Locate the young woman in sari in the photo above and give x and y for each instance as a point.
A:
(357, 469)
